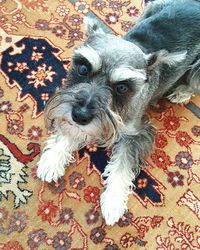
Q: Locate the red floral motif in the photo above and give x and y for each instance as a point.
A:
(115, 5)
(183, 138)
(133, 11)
(76, 180)
(92, 216)
(126, 219)
(156, 221)
(42, 74)
(36, 56)
(45, 96)
(12, 245)
(58, 187)
(142, 230)
(59, 31)
(19, 18)
(184, 160)
(160, 140)
(15, 126)
(61, 241)
(171, 123)
(142, 183)
(18, 221)
(36, 238)
(160, 159)
(97, 235)
(21, 66)
(75, 20)
(66, 215)
(126, 26)
(91, 194)
(42, 24)
(34, 133)
(99, 4)
(75, 35)
(126, 240)
(196, 131)
(175, 178)
(82, 7)
(112, 18)
(47, 211)
(62, 10)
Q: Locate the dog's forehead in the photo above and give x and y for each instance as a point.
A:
(115, 50)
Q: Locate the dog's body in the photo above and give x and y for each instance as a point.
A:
(110, 84)
(172, 26)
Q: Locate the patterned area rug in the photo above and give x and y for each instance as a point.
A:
(36, 41)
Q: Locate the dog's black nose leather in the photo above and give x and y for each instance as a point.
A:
(82, 114)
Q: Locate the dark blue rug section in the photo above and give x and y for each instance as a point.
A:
(35, 68)
(146, 187)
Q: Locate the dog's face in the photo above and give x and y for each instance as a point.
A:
(106, 86)
(107, 70)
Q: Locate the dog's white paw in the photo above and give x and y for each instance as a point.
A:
(112, 207)
(50, 167)
(182, 94)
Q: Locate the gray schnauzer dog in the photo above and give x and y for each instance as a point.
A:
(110, 84)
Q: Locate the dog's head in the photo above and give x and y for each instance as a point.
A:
(108, 87)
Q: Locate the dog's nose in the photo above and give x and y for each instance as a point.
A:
(82, 115)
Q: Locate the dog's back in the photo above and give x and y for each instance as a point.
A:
(175, 26)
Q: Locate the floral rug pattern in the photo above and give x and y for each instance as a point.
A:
(36, 41)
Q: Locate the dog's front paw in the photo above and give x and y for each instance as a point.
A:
(112, 207)
(50, 167)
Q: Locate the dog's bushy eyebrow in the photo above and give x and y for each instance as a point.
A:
(79, 59)
(90, 55)
(127, 73)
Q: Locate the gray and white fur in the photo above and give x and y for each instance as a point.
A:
(111, 83)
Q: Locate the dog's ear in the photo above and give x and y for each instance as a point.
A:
(92, 26)
(164, 57)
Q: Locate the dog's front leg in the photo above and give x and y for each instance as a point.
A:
(56, 155)
(127, 157)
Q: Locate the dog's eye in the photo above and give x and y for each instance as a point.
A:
(121, 88)
(83, 69)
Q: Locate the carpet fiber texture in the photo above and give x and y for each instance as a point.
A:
(36, 41)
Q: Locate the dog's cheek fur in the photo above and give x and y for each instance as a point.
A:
(122, 104)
